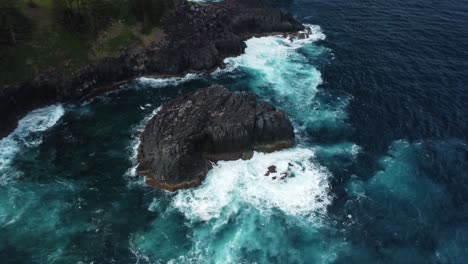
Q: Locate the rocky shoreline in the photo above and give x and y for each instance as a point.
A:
(208, 125)
(198, 39)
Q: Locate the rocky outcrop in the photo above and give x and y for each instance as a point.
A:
(198, 38)
(208, 125)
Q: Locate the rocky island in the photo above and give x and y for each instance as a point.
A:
(208, 125)
(198, 39)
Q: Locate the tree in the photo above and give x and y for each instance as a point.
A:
(150, 12)
(31, 4)
(91, 16)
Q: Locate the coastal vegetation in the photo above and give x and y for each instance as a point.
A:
(194, 38)
(39, 35)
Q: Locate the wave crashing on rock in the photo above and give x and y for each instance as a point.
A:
(208, 125)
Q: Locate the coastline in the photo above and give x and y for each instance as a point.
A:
(198, 40)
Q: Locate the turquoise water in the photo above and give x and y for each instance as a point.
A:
(77, 191)
(362, 192)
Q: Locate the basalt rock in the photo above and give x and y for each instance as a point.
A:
(208, 125)
(198, 39)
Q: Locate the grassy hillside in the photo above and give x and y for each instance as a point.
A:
(39, 35)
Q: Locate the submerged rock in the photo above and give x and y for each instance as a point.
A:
(208, 125)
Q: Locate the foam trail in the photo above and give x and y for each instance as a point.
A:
(26, 135)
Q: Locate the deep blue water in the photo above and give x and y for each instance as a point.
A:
(377, 97)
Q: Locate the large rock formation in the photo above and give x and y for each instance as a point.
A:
(208, 125)
(198, 38)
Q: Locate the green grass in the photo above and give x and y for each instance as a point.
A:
(50, 46)
(42, 3)
(123, 39)
(47, 46)
(113, 41)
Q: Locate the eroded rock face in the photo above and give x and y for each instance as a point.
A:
(208, 125)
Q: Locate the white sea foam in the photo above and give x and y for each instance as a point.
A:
(161, 82)
(283, 71)
(140, 258)
(154, 83)
(276, 62)
(26, 135)
(347, 149)
(133, 147)
(261, 51)
(231, 185)
(231, 209)
(238, 193)
(39, 120)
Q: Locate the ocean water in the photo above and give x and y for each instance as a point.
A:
(377, 96)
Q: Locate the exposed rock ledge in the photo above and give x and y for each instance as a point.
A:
(198, 39)
(208, 125)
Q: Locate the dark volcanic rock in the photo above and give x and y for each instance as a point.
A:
(271, 169)
(198, 39)
(208, 125)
